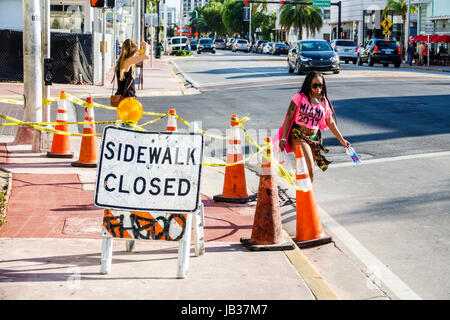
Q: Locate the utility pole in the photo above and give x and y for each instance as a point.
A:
(250, 25)
(165, 26)
(103, 44)
(157, 27)
(137, 21)
(46, 54)
(32, 74)
(408, 19)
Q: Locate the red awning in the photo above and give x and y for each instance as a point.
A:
(433, 39)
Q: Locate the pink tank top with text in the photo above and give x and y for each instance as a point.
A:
(312, 116)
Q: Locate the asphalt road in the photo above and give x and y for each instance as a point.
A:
(392, 213)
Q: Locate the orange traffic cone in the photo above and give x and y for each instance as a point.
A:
(266, 231)
(234, 186)
(88, 150)
(61, 143)
(309, 228)
(172, 121)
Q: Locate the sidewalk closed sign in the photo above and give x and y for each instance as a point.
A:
(149, 171)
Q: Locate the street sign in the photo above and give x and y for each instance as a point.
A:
(386, 32)
(151, 19)
(321, 3)
(246, 13)
(429, 27)
(149, 171)
(386, 23)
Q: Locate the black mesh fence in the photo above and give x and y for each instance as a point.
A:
(71, 53)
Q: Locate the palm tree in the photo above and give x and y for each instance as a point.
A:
(399, 7)
(301, 17)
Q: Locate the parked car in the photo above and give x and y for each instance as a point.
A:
(177, 43)
(261, 46)
(346, 49)
(193, 44)
(280, 48)
(219, 43)
(229, 43)
(241, 45)
(206, 45)
(267, 47)
(380, 51)
(307, 55)
(257, 44)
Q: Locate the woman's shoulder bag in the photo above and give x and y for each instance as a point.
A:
(116, 98)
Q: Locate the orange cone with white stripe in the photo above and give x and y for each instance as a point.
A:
(235, 186)
(309, 228)
(61, 143)
(172, 121)
(267, 228)
(88, 150)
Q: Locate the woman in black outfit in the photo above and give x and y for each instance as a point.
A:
(125, 67)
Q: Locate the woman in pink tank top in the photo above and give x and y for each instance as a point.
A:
(310, 111)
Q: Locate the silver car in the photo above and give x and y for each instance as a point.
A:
(345, 49)
(241, 45)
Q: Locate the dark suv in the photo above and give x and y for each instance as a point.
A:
(380, 51)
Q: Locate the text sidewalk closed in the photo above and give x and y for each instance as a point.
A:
(149, 171)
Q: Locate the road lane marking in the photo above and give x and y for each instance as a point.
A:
(380, 271)
(391, 159)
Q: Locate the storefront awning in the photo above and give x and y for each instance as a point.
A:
(433, 39)
(439, 18)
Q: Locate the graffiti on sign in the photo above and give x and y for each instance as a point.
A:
(143, 225)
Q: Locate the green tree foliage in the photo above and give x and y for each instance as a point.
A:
(232, 16)
(399, 7)
(301, 17)
(265, 22)
(198, 20)
(212, 14)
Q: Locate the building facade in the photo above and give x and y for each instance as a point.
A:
(360, 21)
(433, 16)
(188, 6)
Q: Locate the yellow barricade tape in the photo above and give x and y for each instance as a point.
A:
(281, 170)
(11, 101)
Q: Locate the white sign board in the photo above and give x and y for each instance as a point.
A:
(149, 171)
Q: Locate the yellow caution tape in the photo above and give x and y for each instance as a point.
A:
(153, 121)
(11, 101)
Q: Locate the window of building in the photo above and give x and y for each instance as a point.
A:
(67, 18)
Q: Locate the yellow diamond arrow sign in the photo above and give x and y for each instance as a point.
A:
(386, 23)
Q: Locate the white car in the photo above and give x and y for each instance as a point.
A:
(346, 49)
(177, 43)
(240, 45)
(268, 47)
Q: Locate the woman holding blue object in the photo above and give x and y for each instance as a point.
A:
(310, 111)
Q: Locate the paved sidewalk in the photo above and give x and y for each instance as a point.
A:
(50, 246)
(53, 236)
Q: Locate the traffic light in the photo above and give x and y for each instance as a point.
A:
(245, 1)
(101, 3)
(281, 2)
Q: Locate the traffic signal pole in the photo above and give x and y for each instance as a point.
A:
(32, 74)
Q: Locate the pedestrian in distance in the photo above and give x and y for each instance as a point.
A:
(421, 50)
(425, 54)
(411, 52)
(124, 70)
(309, 112)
